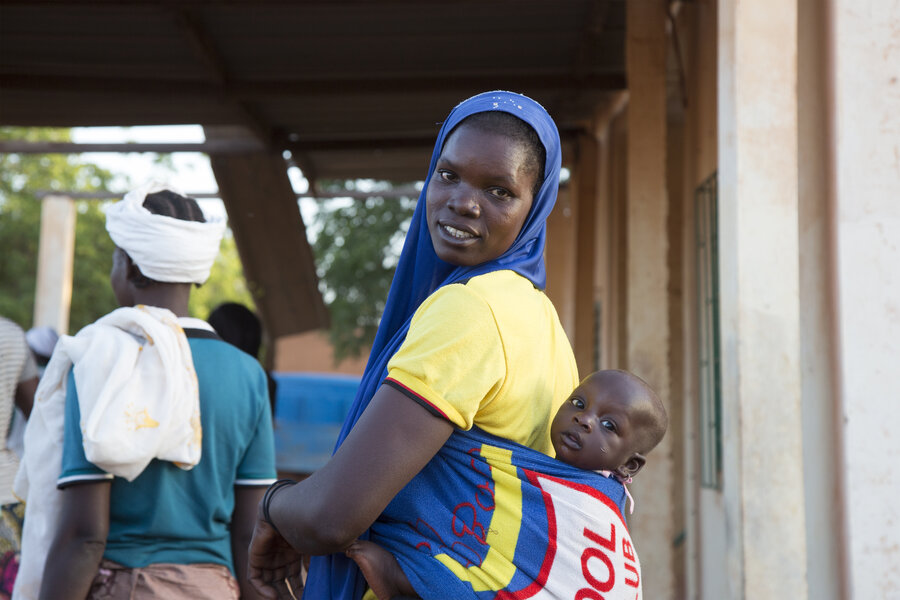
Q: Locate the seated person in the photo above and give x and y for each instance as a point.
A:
(609, 423)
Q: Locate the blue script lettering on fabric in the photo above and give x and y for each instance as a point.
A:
(488, 518)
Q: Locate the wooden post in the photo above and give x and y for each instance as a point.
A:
(56, 253)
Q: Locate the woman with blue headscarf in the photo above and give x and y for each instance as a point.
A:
(467, 340)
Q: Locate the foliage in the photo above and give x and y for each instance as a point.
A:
(21, 177)
(226, 282)
(92, 296)
(357, 244)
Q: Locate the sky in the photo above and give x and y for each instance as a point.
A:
(191, 172)
(188, 172)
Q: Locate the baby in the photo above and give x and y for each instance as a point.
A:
(609, 423)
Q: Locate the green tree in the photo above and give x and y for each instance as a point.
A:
(22, 176)
(226, 282)
(357, 244)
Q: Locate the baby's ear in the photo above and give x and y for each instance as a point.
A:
(631, 467)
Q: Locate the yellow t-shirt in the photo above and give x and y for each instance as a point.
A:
(490, 352)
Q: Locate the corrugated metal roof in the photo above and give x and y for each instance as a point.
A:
(342, 78)
(353, 88)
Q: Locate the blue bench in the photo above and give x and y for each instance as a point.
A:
(309, 411)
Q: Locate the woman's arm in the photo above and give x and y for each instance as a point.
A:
(246, 501)
(79, 542)
(388, 446)
(392, 441)
(25, 395)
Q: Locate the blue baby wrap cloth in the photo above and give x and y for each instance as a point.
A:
(489, 518)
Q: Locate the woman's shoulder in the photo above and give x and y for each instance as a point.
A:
(499, 286)
(484, 293)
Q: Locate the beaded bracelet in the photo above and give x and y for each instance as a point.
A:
(267, 498)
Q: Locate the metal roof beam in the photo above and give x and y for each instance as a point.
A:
(174, 88)
(210, 147)
(230, 146)
(394, 192)
(205, 50)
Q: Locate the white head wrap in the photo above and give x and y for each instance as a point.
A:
(164, 248)
(42, 340)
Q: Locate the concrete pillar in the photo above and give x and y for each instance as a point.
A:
(677, 399)
(559, 255)
(821, 447)
(691, 35)
(56, 253)
(585, 255)
(762, 433)
(616, 355)
(705, 544)
(647, 276)
(866, 54)
(603, 271)
(606, 116)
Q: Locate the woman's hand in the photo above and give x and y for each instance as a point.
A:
(394, 438)
(274, 567)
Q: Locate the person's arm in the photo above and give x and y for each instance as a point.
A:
(28, 383)
(246, 503)
(79, 541)
(393, 440)
(25, 395)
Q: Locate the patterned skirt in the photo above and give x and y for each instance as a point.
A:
(11, 517)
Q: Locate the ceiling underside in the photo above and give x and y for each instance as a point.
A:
(351, 88)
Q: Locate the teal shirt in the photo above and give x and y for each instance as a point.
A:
(175, 516)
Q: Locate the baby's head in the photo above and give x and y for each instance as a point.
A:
(609, 422)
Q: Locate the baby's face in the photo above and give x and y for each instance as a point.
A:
(596, 426)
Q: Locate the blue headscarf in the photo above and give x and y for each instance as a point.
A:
(420, 272)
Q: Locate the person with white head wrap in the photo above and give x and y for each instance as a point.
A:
(41, 341)
(122, 409)
(165, 249)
